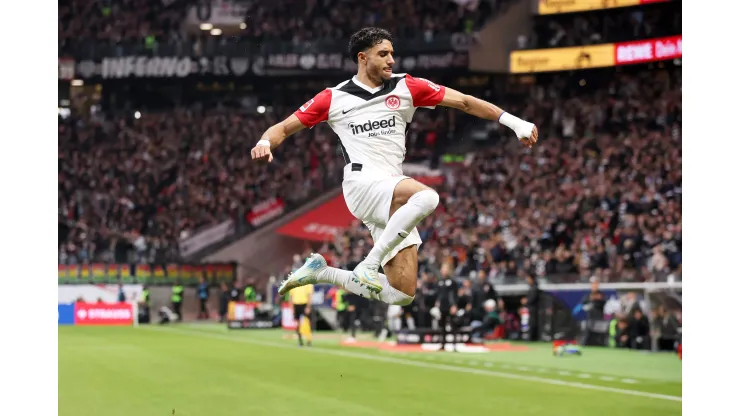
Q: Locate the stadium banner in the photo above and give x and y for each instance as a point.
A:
(150, 274)
(562, 59)
(424, 174)
(207, 237)
(321, 223)
(649, 50)
(94, 314)
(126, 67)
(248, 315)
(570, 6)
(287, 320)
(265, 211)
(309, 63)
(66, 314)
(433, 336)
(594, 56)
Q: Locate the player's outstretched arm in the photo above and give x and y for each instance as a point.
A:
(274, 136)
(525, 131)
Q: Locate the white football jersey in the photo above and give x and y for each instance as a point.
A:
(371, 122)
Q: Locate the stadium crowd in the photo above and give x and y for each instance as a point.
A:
(140, 185)
(303, 21)
(621, 25)
(141, 24)
(599, 196)
(152, 181)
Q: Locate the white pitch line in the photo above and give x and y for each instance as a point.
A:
(584, 375)
(436, 366)
(606, 378)
(628, 381)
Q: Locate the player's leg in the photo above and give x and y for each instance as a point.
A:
(315, 270)
(298, 311)
(443, 320)
(307, 324)
(411, 202)
(406, 202)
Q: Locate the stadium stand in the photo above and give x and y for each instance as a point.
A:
(130, 189)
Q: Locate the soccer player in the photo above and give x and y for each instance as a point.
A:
(370, 113)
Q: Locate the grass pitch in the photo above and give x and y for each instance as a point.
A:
(206, 370)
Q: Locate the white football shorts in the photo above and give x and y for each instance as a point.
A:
(368, 194)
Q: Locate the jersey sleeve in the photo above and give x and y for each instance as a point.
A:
(424, 93)
(315, 110)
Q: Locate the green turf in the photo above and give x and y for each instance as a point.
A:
(207, 370)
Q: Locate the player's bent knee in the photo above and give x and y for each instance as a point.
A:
(427, 200)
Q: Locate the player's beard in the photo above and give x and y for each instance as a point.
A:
(379, 74)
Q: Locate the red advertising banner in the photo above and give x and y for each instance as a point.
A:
(287, 319)
(104, 314)
(648, 50)
(265, 211)
(321, 223)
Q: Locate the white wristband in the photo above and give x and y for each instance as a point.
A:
(523, 129)
(263, 142)
(509, 120)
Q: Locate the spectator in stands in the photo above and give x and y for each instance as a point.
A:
(120, 27)
(184, 170)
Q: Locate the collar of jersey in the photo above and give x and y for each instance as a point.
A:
(357, 82)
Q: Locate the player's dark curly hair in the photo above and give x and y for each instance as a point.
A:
(365, 39)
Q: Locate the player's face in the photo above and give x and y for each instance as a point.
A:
(380, 61)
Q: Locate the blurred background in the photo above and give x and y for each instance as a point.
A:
(160, 102)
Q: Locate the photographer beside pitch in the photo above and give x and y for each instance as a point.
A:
(370, 113)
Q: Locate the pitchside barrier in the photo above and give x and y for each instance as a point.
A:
(88, 305)
(150, 274)
(98, 314)
(250, 315)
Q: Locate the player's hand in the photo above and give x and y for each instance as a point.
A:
(262, 153)
(531, 138)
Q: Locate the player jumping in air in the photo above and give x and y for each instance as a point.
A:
(370, 113)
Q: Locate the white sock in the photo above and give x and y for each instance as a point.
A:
(340, 277)
(401, 223)
(410, 323)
